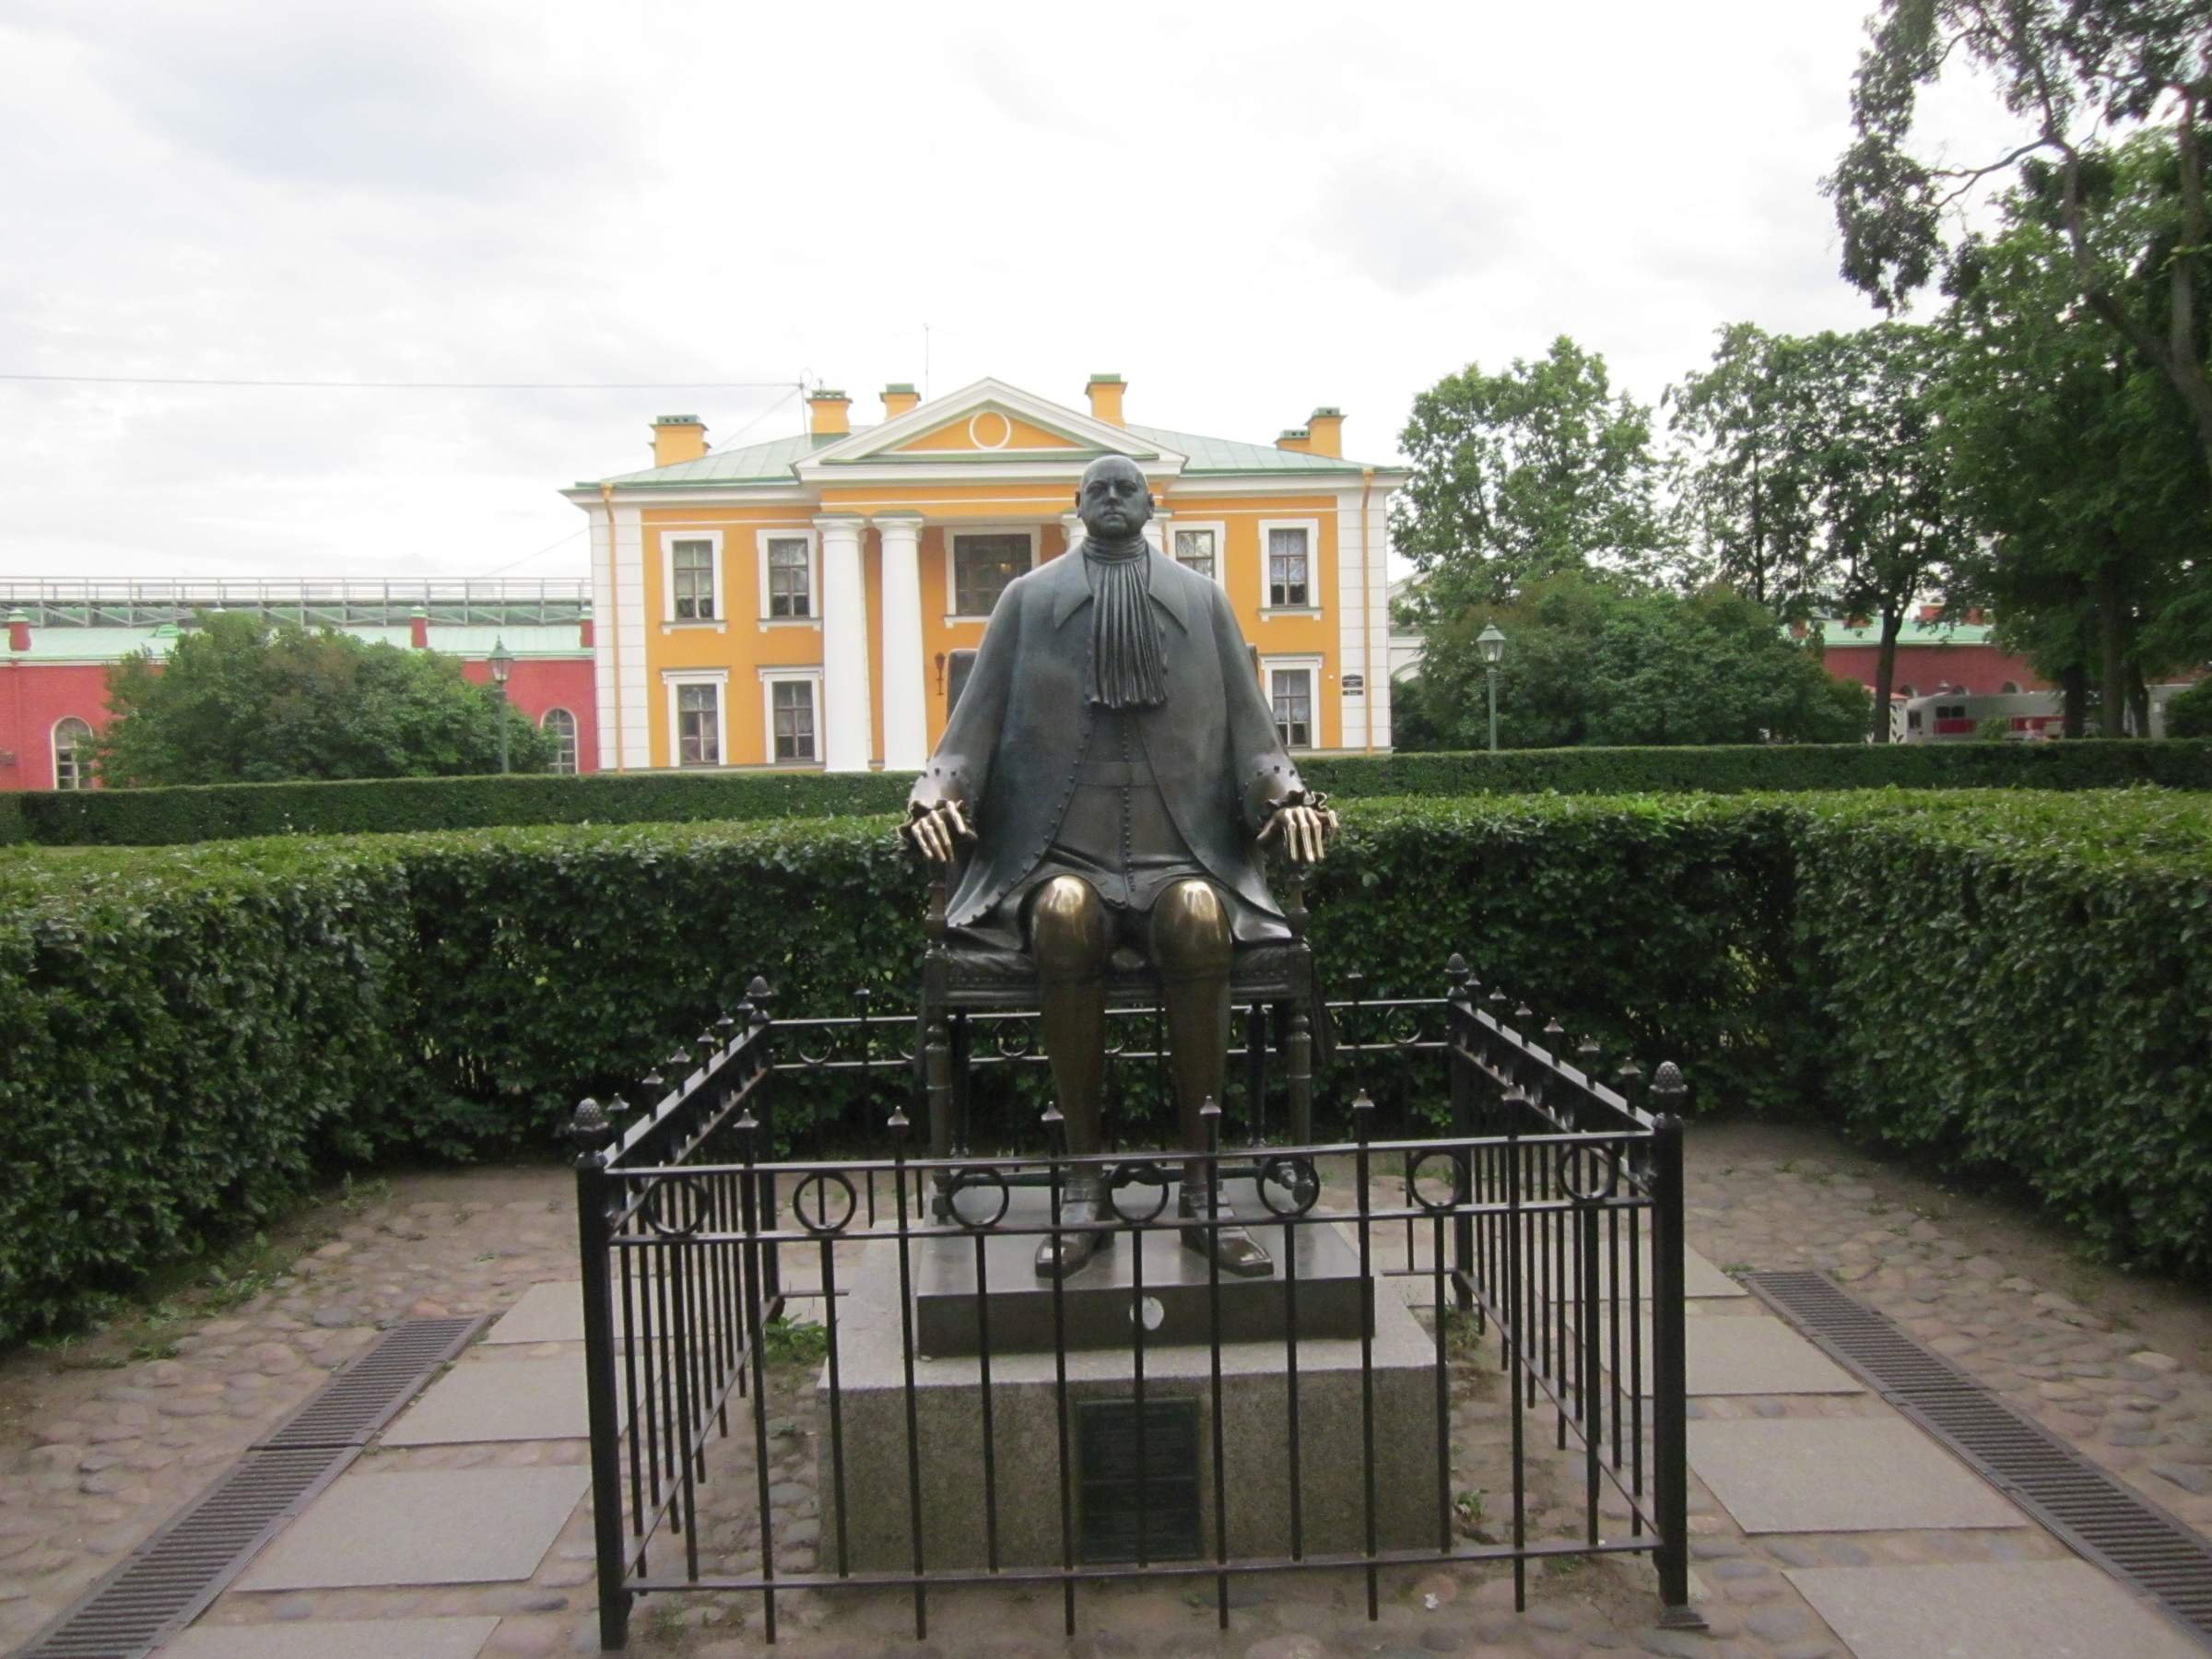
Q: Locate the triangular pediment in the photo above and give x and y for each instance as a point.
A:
(988, 423)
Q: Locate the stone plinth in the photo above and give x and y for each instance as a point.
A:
(1024, 1437)
(1098, 1304)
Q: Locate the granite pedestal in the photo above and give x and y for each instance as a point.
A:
(1025, 1432)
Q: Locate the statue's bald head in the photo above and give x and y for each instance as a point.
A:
(1112, 500)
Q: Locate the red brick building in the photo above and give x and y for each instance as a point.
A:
(1932, 655)
(62, 637)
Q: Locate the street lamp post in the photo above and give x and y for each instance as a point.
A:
(1493, 648)
(502, 665)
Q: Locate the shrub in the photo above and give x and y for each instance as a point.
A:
(2190, 712)
(195, 1031)
(223, 812)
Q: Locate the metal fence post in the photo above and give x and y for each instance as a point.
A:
(1670, 1387)
(592, 1135)
(1459, 1021)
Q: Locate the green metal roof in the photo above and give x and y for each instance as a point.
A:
(112, 644)
(772, 463)
(1834, 632)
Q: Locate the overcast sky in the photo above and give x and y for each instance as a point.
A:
(1244, 210)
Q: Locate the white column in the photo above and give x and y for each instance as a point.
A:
(905, 703)
(847, 728)
(1163, 531)
(1072, 523)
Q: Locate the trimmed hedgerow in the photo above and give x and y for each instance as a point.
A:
(2017, 982)
(224, 812)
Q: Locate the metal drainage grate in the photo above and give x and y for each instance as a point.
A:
(164, 1584)
(368, 1394)
(2102, 1519)
(168, 1579)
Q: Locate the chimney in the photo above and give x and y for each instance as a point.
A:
(583, 627)
(898, 398)
(419, 629)
(1105, 392)
(18, 631)
(1295, 438)
(678, 438)
(828, 413)
(1326, 426)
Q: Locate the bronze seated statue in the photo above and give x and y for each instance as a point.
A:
(1114, 777)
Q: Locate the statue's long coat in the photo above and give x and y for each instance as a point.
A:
(1010, 754)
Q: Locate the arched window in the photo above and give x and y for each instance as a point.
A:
(561, 725)
(72, 753)
(2012, 687)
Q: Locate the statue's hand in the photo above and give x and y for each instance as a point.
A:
(935, 831)
(1306, 826)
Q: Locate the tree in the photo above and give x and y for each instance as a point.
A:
(1588, 664)
(2067, 449)
(1889, 527)
(240, 702)
(1747, 490)
(1536, 472)
(2077, 73)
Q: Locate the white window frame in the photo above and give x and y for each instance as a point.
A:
(1312, 604)
(1220, 530)
(719, 619)
(1311, 665)
(54, 749)
(812, 537)
(576, 738)
(952, 562)
(770, 679)
(672, 680)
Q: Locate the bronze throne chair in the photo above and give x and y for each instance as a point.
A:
(1273, 983)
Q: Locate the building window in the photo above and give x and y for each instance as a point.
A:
(561, 725)
(1289, 575)
(1290, 690)
(691, 578)
(72, 753)
(699, 726)
(789, 563)
(1200, 548)
(982, 563)
(959, 666)
(2012, 688)
(791, 719)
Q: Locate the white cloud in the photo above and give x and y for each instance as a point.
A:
(1246, 209)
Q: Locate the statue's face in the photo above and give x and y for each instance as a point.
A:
(1112, 501)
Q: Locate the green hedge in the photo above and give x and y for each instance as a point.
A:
(226, 812)
(2017, 982)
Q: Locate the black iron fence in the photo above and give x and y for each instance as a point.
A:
(945, 1416)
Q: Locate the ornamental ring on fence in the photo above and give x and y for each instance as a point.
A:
(977, 1175)
(1144, 1171)
(1020, 1043)
(817, 1184)
(1297, 1176)
(1570, 1166)
(1458, 1195)
(694, 1210)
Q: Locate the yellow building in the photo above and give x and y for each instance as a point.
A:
(817, 600)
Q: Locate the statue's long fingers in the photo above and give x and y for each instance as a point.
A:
(1302, 828)
(931, 838)
(1312, 837)
(960, 824)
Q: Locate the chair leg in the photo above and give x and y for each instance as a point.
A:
(1255, 1070)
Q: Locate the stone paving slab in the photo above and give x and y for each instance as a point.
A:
(325, 1639)
(1822, 1474)
(549, 1312)
(487, 1400)
(1748, 1356)
(1988, 1610)
(458, 1526)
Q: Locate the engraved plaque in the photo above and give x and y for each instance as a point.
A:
(1112, 1491)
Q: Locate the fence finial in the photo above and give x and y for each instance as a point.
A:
(589, 1130)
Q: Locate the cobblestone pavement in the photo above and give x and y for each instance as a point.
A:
(97, 1447)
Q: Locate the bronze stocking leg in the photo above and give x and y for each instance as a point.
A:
(1070, 943)
(1192, 946)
